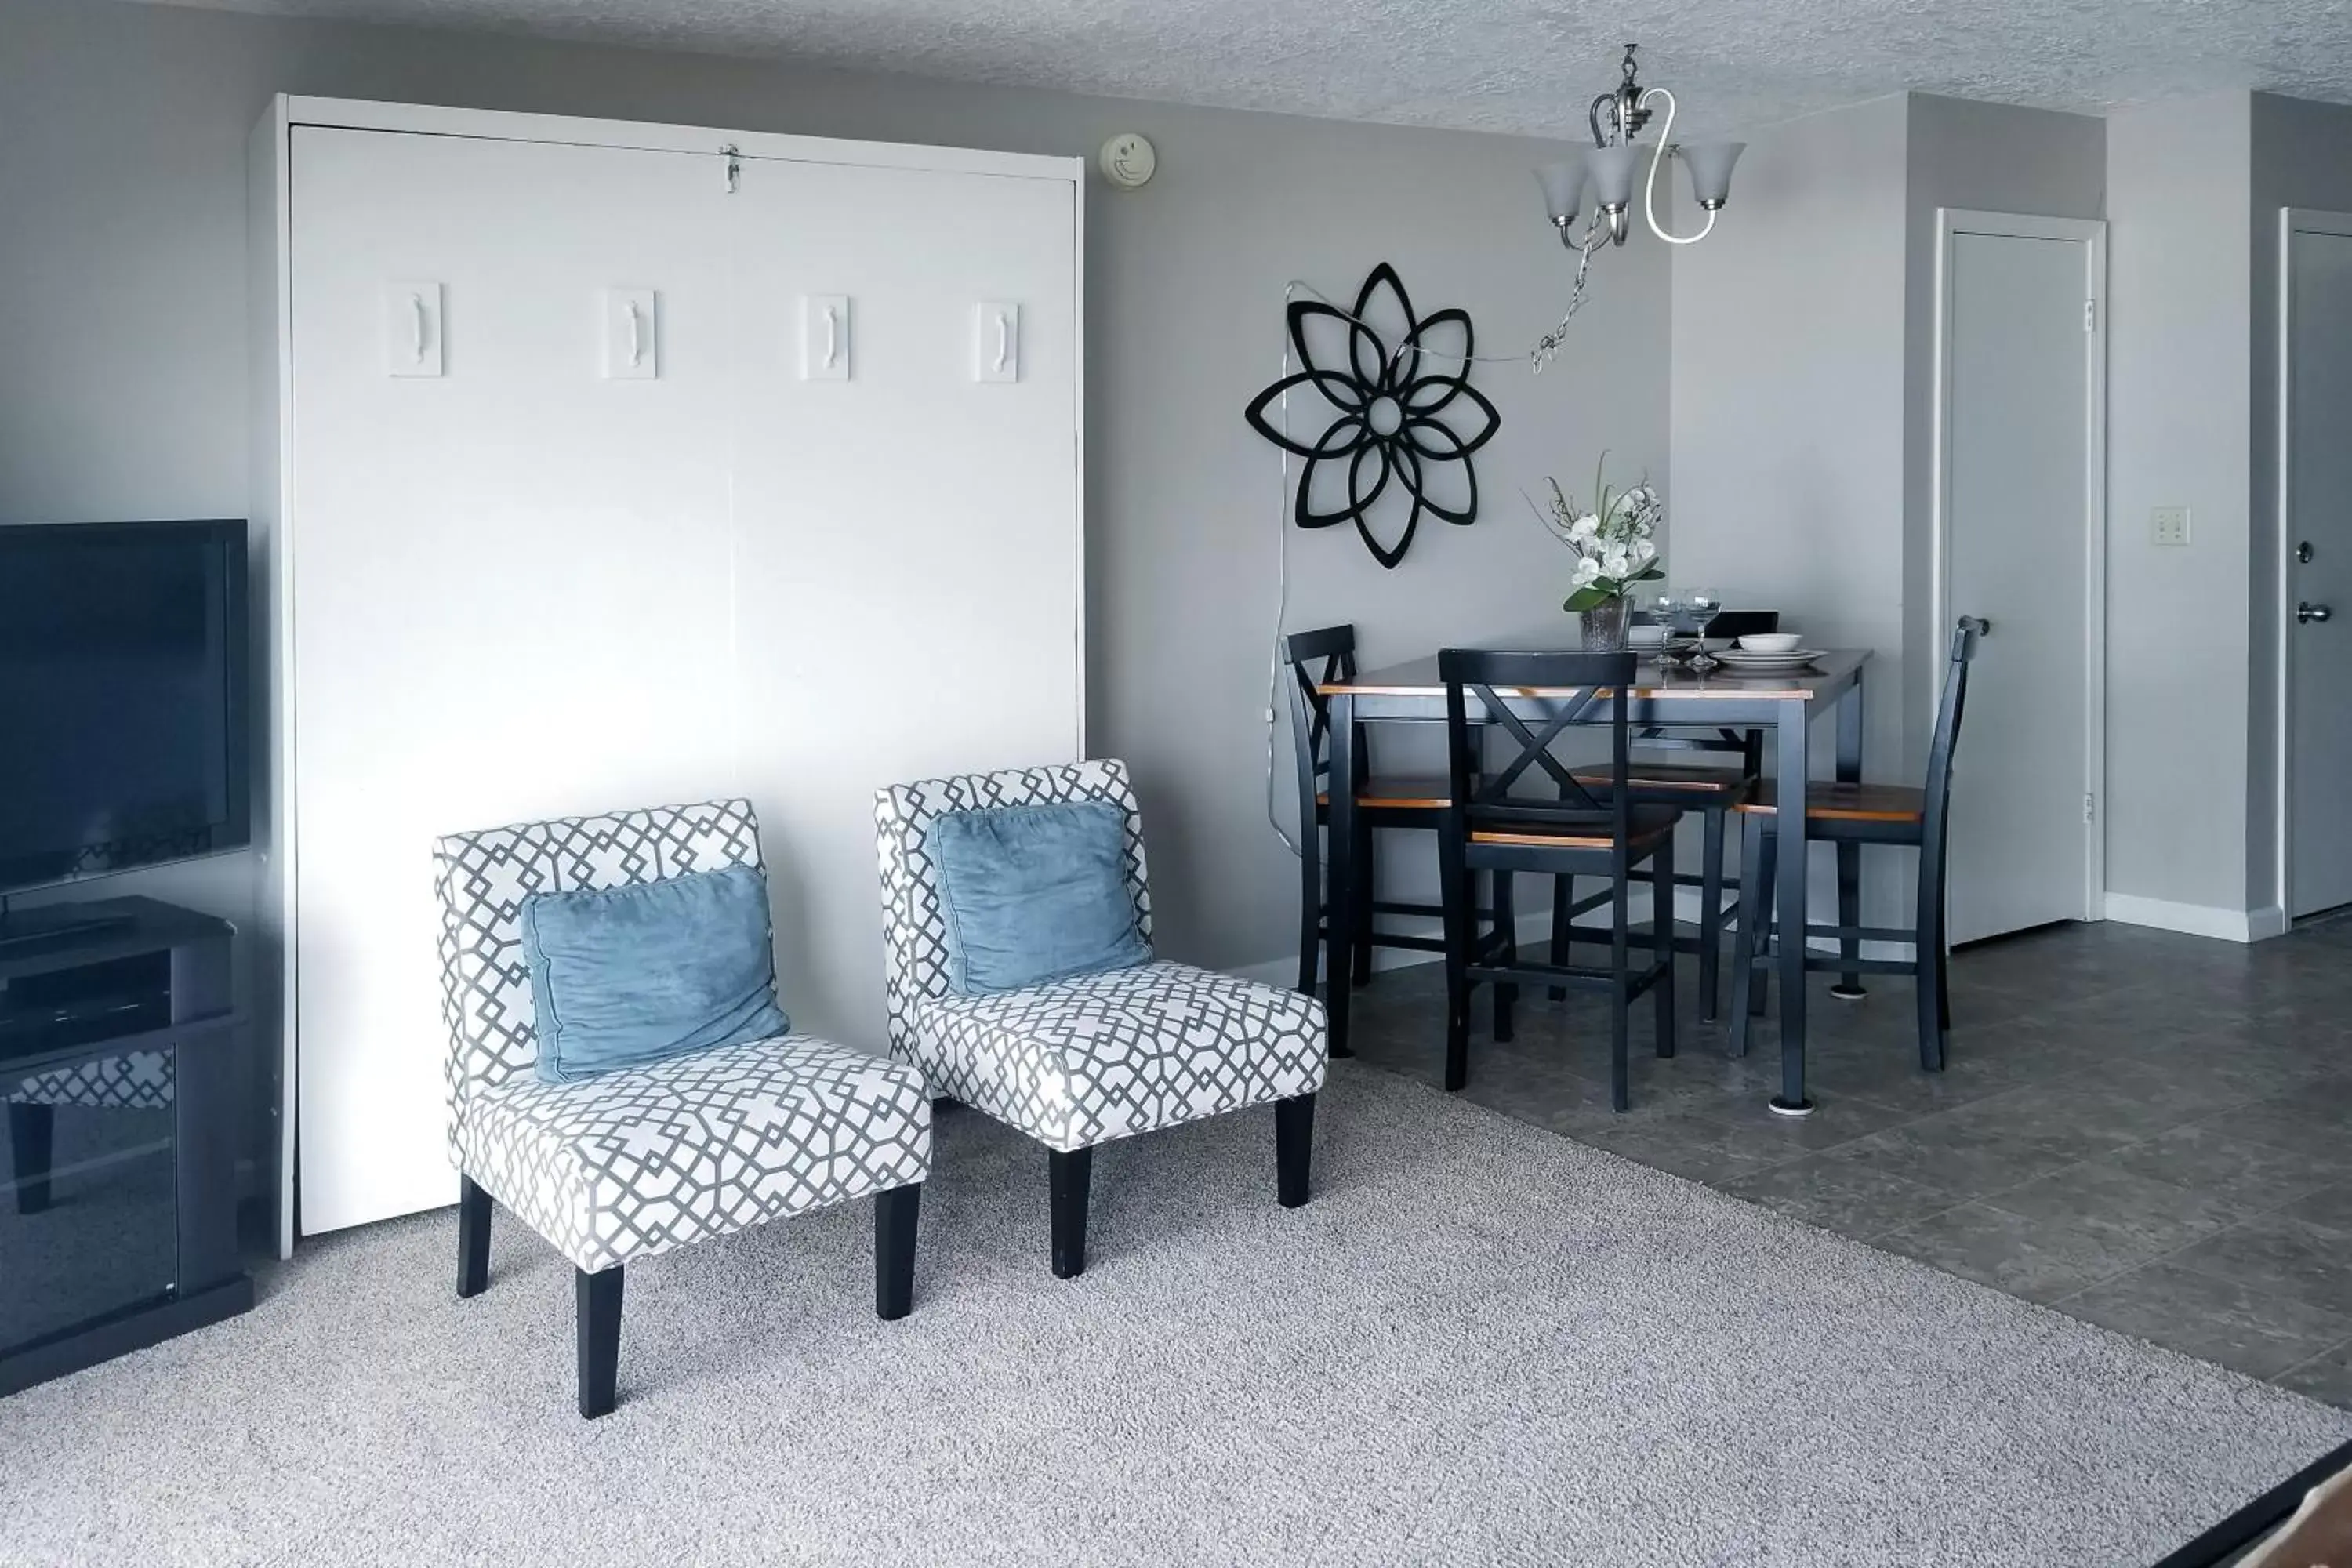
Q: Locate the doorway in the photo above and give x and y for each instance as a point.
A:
(2019, 541)
(2315, 561)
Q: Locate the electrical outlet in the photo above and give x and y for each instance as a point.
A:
(2169, 525)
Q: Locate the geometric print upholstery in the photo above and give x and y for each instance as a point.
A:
(633, 1163)
(1074, 1063)
(482, 879)
(135, 1080)
(914, 921)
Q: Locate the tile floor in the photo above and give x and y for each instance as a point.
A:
(2143, 1130)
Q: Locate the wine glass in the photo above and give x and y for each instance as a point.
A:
(1690, 610)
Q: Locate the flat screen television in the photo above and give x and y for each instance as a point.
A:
(124, 734)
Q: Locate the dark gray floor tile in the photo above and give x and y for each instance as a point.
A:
(1961, 1159)
(2330, 1207)
(2083, 1116)
(2215, 1318)
(2327, 1376)
(2279, 1256)
(1839, 1196)
(2236, 1169)
(2038, 1259)
(2135, 1212)
(2287, 1122)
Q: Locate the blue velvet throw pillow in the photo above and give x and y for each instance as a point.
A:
(623, 976)
(1033, 893)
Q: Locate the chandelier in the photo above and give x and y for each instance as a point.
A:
(1606, 172)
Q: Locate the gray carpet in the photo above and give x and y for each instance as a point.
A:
(1482, 1343)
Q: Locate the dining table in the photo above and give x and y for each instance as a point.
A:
(1667, 695)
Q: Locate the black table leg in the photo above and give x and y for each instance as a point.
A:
(1788, 831)
(1339, 857)
(1849, 986)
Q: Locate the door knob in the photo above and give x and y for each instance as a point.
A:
(2313, 613)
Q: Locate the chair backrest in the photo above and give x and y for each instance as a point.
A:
(1316, 659)
(1577, 688)
(1939, 790)
(482, 878)
(1743, 623)
(914, 924)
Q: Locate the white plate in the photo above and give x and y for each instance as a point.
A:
(1739, 659)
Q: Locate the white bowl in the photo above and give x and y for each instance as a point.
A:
(1648, 635)
(1771, 642)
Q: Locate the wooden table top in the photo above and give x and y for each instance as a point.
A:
(1833, 671)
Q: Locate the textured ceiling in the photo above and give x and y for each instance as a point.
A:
(1488, 65)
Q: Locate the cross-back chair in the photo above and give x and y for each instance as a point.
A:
(1493, 824)
(1860, 813)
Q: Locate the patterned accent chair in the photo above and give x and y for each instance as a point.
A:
(633, 1163)
(1077, 1063)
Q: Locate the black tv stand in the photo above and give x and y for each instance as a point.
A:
(117, 1070)
(59, 925)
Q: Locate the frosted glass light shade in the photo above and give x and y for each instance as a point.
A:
(1563, 188)
(1710, 170)
(1612, 174)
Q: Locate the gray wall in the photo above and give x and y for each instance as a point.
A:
(2177, 413)
(122, 335)
(1788, 409)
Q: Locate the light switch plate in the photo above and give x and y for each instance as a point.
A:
(996, 341)
(632, 335)
(825, 337)
(412, 327)
(2169, 525)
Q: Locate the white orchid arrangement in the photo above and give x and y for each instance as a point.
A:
(1615, 542)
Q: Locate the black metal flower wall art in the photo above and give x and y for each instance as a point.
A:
(1407, 416)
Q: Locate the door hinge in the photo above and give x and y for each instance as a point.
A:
(2090, 807)
(2090, 315)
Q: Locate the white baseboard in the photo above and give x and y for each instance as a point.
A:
(1537, 928)
(2197, 919)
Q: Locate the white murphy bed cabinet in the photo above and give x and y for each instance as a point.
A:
(604, 465)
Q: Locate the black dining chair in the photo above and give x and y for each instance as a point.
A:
(1493, 826)
(1710, 790)
(1316, 659)
(1917, 819)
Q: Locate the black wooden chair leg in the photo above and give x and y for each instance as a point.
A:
(1293, 1148)
(1748, 949)
(1310, 908)
(599, 1301)
(1662, 927)
(32, 1134)
(473, 1239)
(1068, 1174)
(1506, 932)
(1563, 900)
(1621, 1005)
(1367, 890)
(1710, 920)
(895, 1215)
(1461, 934)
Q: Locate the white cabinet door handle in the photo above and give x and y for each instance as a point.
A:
(416, 323)
(832, 337)
(636, 337)
(1003, 340)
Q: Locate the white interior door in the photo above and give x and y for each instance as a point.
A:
(906, 521)
(2021, 445)
(511, 579)
(2317, 612)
